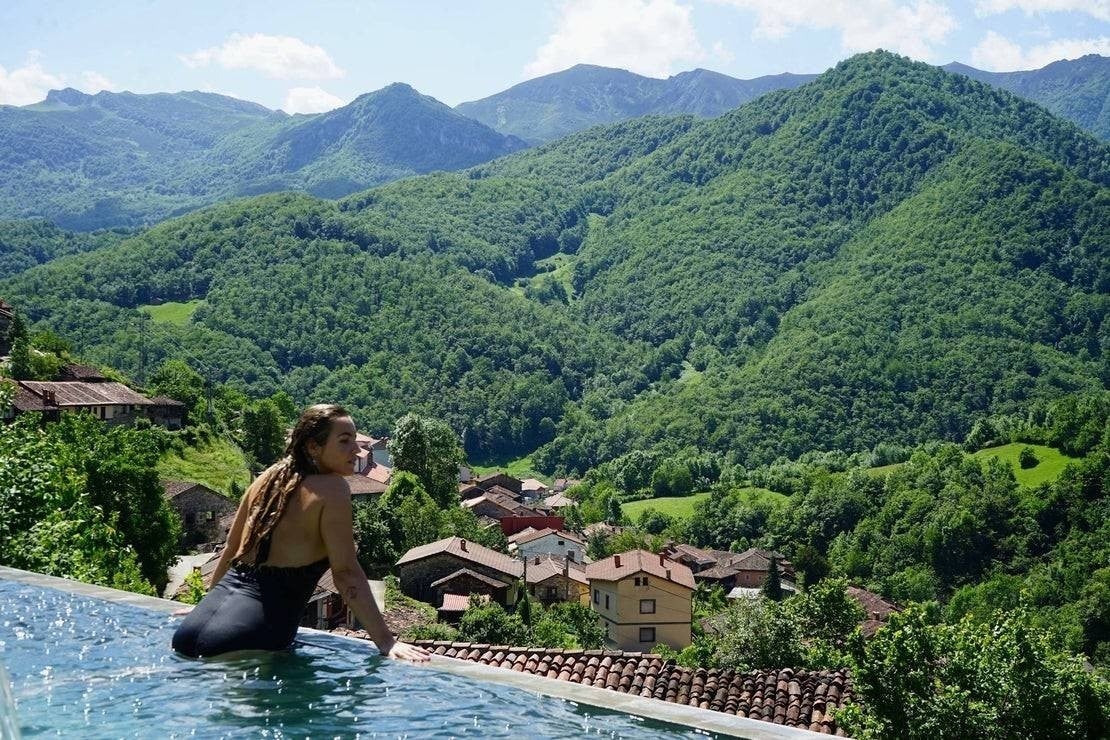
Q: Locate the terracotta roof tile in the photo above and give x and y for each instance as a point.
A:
(800, 698)
(76, 393)
(541, 533)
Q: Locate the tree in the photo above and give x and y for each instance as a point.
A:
(613, 513)
(490, 623)
(772, 585)
(263, 432)
(758, 633)
(194, 584)
(175, 379)
(1005, 679)
(430, 450)
(22, 363)
(1027, 458)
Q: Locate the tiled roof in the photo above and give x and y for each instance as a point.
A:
(541, 568)
(558, 501)
(458, 602)
(470, 573)
(531, 484)
(166, 401)
(87, 394)
(695, 554)
(875, 607)
(639, 561)
(379, 473)
(540, 533)
(73, 371)
(362, 485)
(474, 552)
(24, 400)
(177, 487)
(502, 491)
(601, 528)
(516, 537)
(795, 698)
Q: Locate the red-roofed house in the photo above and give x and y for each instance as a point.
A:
(642, 599)
(422, 567)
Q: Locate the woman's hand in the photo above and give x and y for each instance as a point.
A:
(411, 653)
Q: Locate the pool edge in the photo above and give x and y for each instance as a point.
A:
(706, 720)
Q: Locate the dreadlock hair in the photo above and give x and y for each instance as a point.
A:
(270, 492)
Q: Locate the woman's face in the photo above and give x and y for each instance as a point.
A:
(339, 451)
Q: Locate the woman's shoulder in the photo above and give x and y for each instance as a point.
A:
(327, 485)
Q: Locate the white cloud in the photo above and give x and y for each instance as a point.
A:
(997, 53)
(910, 28)
(311, 100)
(650, 37)
(93, 82)
(27, 84)
(1097, 8)
(280, 57)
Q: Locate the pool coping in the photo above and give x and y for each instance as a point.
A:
(706, 720)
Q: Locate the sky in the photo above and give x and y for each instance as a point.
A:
(310, 56)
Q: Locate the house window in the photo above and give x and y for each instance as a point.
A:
(636, 581)
(208, 515)
(562, 544)
(606, 601)
(644, 581)
(647, 634)
(570, 555)
(647, 606)
(551, 592)
(596, 592)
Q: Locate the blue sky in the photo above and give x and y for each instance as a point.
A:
(310, 56)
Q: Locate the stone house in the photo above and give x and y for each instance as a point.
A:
(422, 569)
(552, 579)
(202, 511)
(504, 480)
(566, 545)
(642, 599)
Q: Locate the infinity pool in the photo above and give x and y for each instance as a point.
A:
(84, 667)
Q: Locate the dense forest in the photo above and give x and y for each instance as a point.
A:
(879, 257)
(120, 159)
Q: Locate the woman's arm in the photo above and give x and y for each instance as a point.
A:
(234, 539)
(338, 533)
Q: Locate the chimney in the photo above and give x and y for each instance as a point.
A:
(661, 559)
(49, 397)
(566, 568)
(462, 545)
(669, 574)
(617, 561)
(537, 560)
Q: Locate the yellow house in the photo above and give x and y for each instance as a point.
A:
(642, 599)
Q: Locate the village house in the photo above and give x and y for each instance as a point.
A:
(549, 541)
(533, 488)
(746, 569)
(501, 480)
(451, 565)
(551, 579)
(876, 609)
(201, 510)
(326, 609)
(642, 600)
(113, 403)
(498, 503)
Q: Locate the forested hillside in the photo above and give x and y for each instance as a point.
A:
(1076, 89)
(883, 255)
(554, 105)
(120, 159)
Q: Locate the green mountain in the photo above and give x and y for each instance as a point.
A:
(119, 159)
(1077, 89)
(883, 255)
(585, 95)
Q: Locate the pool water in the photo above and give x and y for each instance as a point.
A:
(84, 667)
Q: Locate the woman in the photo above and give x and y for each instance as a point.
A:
(293, 522)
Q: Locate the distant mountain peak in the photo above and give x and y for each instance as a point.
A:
(67, 96)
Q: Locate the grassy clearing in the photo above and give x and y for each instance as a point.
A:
(1051, 462)
(172, 312)
(519, 467)
(215, 464)
(682, 507)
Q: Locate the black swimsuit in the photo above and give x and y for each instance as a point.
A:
(253, 607)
